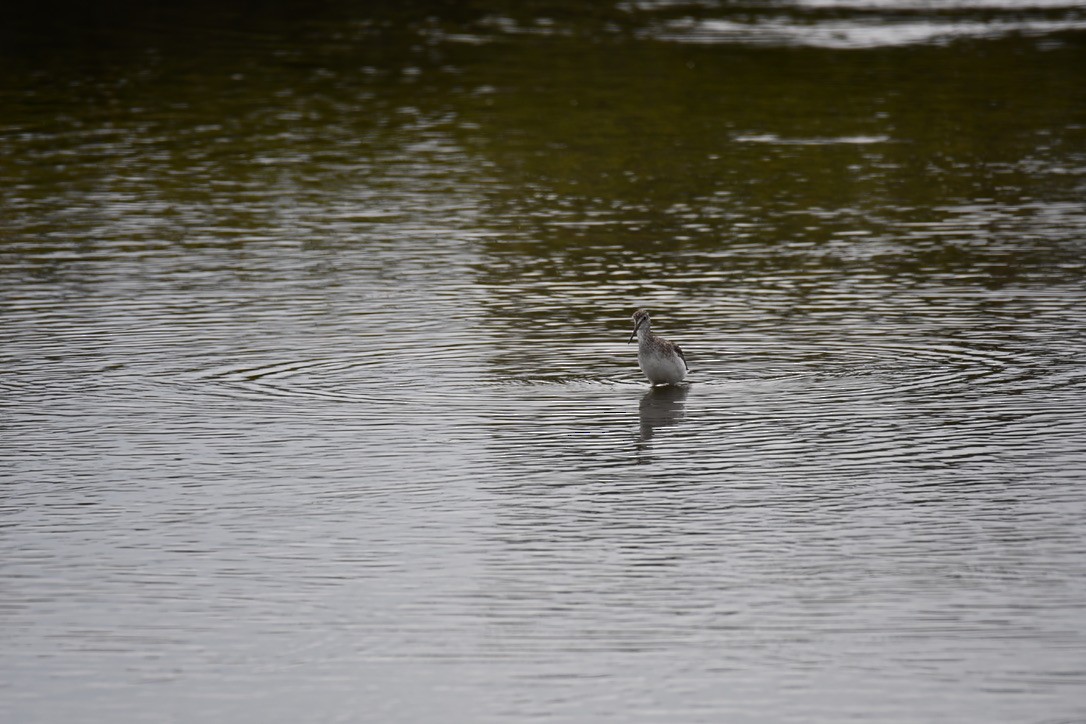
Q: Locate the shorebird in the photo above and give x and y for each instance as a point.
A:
(663, 362)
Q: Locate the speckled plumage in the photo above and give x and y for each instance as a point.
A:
(662, 361)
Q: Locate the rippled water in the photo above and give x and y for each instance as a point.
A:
(317, 402)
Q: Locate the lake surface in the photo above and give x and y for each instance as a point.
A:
(316, 402)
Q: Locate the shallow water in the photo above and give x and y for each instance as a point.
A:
(317, 402)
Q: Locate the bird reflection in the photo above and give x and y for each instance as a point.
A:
(661, 407)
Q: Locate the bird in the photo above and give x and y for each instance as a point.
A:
(662, 361)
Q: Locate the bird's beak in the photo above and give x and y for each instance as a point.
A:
(634, 333)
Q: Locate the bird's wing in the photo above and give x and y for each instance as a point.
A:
(682, 356)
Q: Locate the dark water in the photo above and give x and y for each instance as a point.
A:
(317, 403)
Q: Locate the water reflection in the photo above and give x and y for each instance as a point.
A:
(314, 362)
(869, 30)
(662, 406)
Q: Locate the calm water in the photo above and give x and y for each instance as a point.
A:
(317, 403)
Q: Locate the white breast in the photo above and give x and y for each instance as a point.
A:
(662, 368)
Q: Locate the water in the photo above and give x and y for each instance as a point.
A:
(317, 401)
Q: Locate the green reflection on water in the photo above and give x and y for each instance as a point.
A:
(662, 123)
(568, 113)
